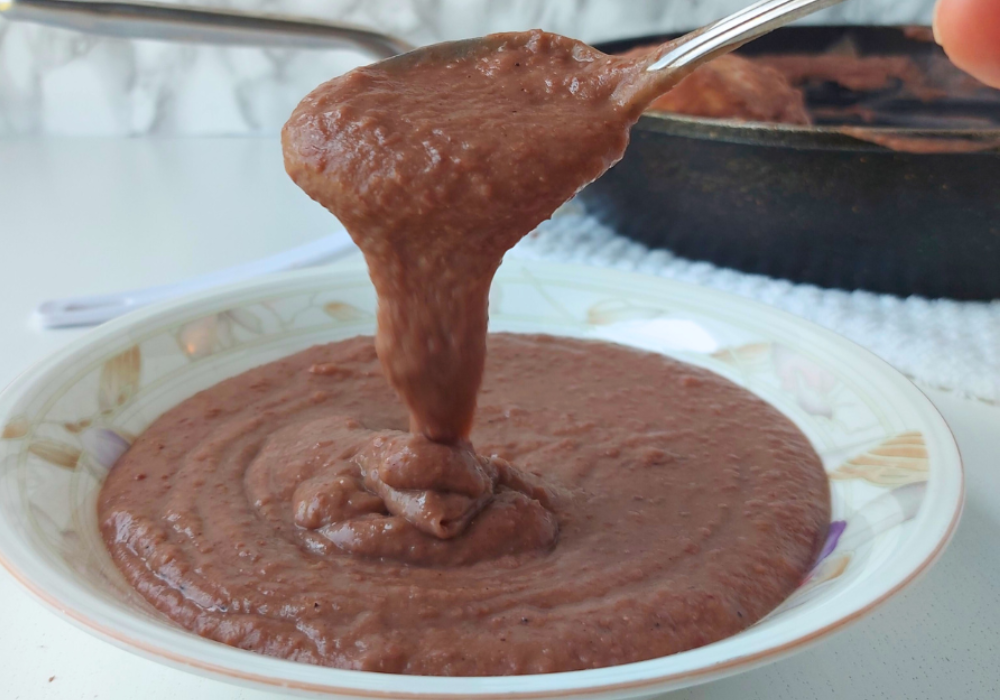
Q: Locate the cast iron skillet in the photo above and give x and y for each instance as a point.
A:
(812, 204)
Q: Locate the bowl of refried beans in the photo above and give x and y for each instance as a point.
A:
(610, 394)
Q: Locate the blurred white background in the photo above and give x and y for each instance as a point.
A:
(62, 83)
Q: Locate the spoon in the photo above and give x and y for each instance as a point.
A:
(136, 20)
(664, 67)
(96, 309)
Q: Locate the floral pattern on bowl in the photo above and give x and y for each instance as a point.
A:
(895, 474)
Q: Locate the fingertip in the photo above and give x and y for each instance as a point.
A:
(969, 32)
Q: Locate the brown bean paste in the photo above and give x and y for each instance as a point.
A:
(601, 506)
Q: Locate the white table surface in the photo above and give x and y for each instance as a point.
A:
(99, 215)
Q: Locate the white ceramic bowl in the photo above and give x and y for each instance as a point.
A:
(895, 471)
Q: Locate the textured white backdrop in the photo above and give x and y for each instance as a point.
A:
(57, 82)
(938, 343)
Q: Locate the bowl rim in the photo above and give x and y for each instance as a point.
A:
(492, 687)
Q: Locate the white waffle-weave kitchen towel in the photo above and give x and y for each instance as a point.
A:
(937, 343)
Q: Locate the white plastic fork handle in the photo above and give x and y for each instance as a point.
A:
(94, 310)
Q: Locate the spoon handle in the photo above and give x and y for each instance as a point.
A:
(733, 31)
(93, 310)
(136, 20)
